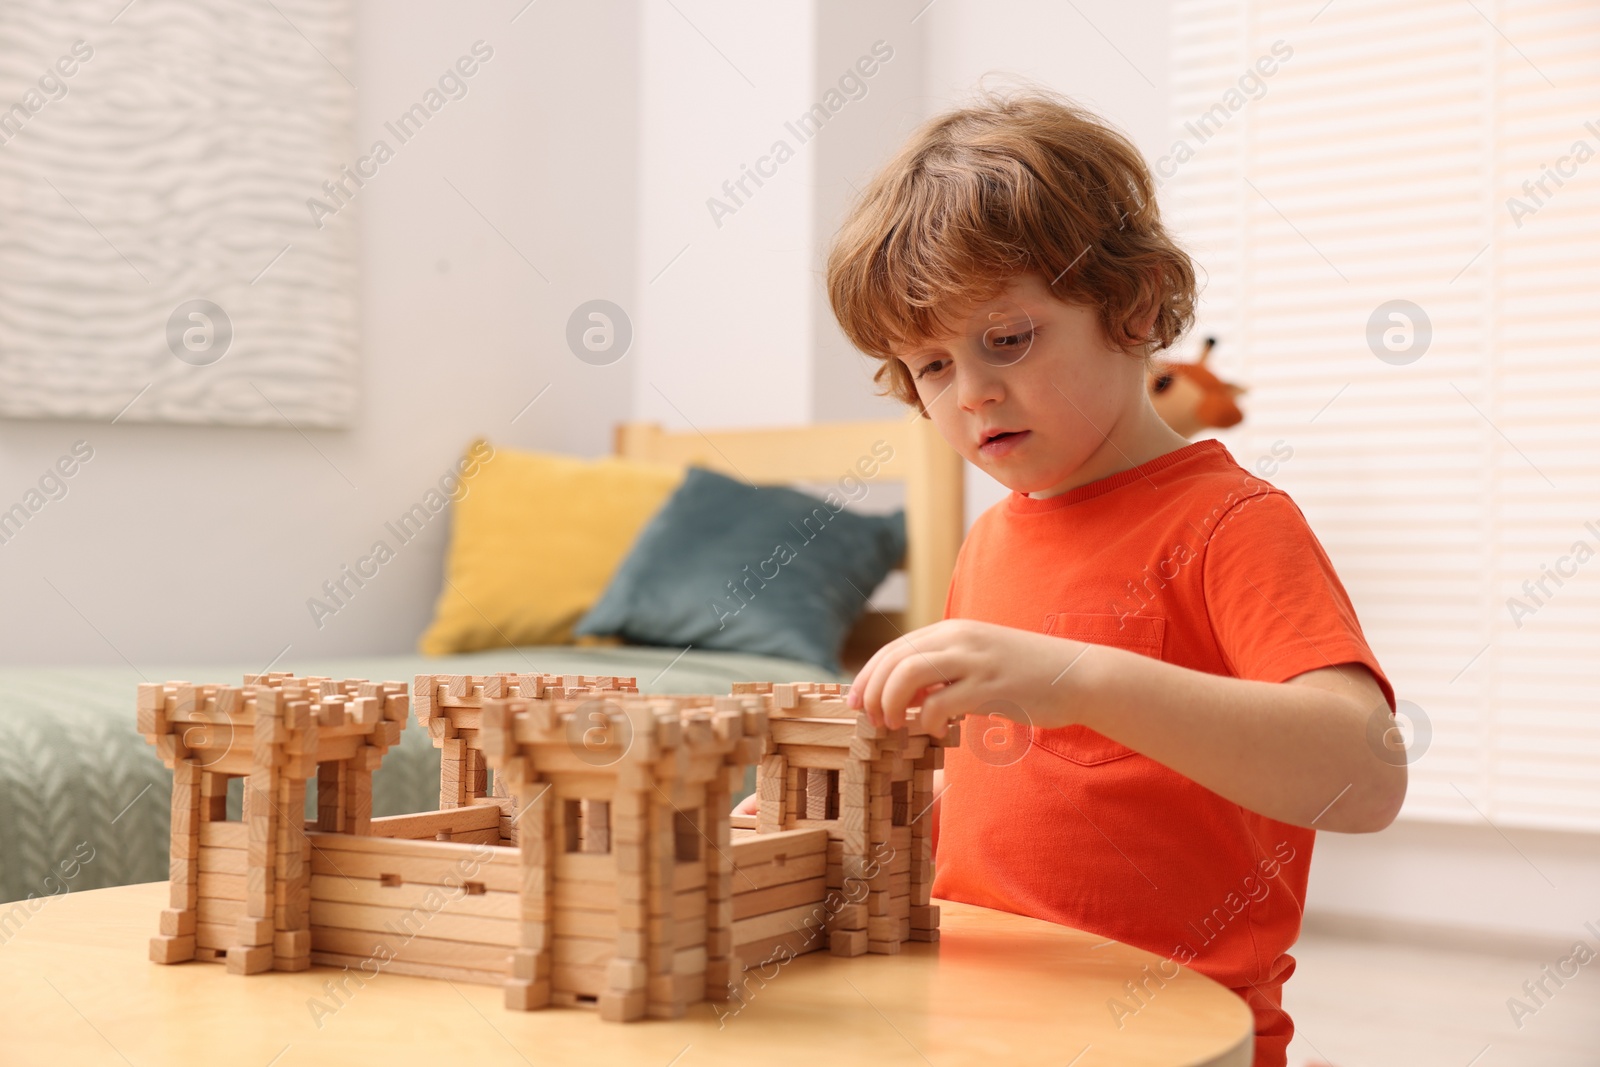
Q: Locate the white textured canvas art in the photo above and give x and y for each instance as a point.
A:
(157, 258)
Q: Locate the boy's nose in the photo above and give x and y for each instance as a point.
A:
(978, 385)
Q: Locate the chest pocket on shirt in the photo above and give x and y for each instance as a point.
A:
(1135, 633)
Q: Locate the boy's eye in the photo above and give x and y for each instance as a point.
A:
(932, 367)
(1005, 345)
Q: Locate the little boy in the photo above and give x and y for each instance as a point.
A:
(1171, 691)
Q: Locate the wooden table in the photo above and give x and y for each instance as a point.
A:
(76, 987)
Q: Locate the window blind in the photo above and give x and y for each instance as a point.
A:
(1329, 161)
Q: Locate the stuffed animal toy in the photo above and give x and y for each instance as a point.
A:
(1189, 398)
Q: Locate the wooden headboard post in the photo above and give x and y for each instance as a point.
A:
(930, 469)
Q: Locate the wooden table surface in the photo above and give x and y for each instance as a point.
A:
(76, 987)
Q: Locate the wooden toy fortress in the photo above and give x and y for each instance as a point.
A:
(602, 868)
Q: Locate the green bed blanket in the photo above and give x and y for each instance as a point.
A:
(85, 802)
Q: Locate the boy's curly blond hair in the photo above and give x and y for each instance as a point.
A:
(1001, 187)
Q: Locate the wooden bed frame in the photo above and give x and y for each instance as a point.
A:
(930, 469)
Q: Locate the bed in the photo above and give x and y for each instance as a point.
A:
(84, 802)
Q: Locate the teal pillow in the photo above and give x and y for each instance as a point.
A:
(743, 568)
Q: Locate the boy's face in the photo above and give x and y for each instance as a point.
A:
(1041, 369)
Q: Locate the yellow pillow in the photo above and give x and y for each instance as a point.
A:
(534, 539)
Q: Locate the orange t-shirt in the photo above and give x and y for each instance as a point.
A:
(1192, 560)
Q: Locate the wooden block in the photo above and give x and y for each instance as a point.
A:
(495, 959)
(172, 949)
(425, 826)
(751, 879)
(924, 935)
(528, 964)
(847, 942)
(622, 1007)
(925, 917)
(444, 923)
(884, 948)
(690, 960)
(151, 696)
(886, 928)
(635, 944)
(183, 895)
(801, 919)
(581, 951)
(225, 912)
(766, 848)
(571, 979)
(626, 975)
(177, 923)
(292, 944)
(818, 733)
(693, 904)
(774, 951)
(474, 861)
(780, 897)
(254, 931)
(527, 995)
(770, 777)
(252, 959)
(670, 994)
(849, 917)
(720, 974)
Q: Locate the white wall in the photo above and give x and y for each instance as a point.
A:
(855, 144)
(1417, 878)
(722, 302)
(188, 544)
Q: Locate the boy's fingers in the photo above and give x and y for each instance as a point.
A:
(872, 694)
(869, 679)
(938, 708)
(911, 675)
(894, 647)
(859, 683)
(916, 644)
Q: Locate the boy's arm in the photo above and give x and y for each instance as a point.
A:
(1311, 751)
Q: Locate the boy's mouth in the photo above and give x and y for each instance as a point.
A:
(999, 442)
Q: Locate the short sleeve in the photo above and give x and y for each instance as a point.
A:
(1276, 605)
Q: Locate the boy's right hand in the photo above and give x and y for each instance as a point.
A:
(748, 806)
